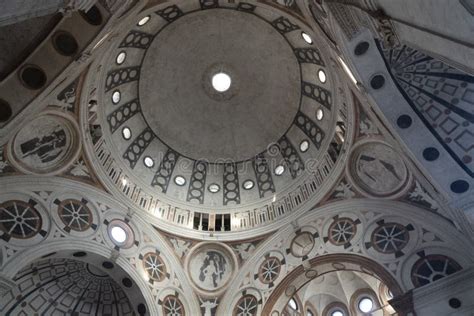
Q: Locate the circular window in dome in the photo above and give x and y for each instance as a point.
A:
(5, 111)
(120, 58)
(366, 305)
(180, 180)
(307, 38)
(221, 82)
(322, 76)
(279, 170)
(149, 162)
(126, 133)
(337, 313)
(121, 233)
(65, 43)
(116, 97)
(33, 77)
(304, 146)
(319, 114)
(144, 21)
(214, 188)
(118, 234)
(248, 184)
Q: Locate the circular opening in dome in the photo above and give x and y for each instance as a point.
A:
(65, 43)
(116, 97)
(322, 76)
(304, 146)
(120, 58)
(319, 114)
(248, 184)
(221, 82)
(118, 234)
(33, 77)
(307, 38)
(180, 180)
(279, 170)
(337, 313)
(214, 188)
(143, 21)
(5, 111)
(148, 161)
(366, 305)
(92, 16)
(126, 133)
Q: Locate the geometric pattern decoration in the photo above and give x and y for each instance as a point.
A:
(64, 287)
(231, 184)
(170, 13)
(75, 215)
(197, 184)
(246, 306)
(172, 306)
(441, 96)
(154, 267)
(264, 177)
(283, 25)
(308, 55)
(391, 238)
(317, 93)
(136, 39)
(431, 268)
(310, 128)
(136, 149)
(122, 114)
(163, 174)
(342, 231)
(120, 76)
(292, 158)
(269, 270)
(19, 219)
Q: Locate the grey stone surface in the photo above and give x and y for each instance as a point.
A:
(182, 108)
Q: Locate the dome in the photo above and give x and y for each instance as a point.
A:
(216, 112)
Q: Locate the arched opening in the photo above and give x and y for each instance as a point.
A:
(70, 282)
(334, 269)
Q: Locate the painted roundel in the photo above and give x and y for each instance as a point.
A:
(19, 219)
(302, 244)
(390, 238)
(269, 270)
(154, 266)
(431, 268)
(75, 215)
(377, 169)
(342, 231)
(246, 306)
(45, 145)
(172, 306)
(211, 267)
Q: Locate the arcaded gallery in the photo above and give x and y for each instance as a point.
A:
(237, 157)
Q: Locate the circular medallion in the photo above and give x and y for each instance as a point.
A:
(184, 105)
(390, 238)
(75, 215)
(246, 306)
(211, 266)
(269, 270)
(342, 231)
(378, 169)
(302, 244)
(45, 145)
(154, 266)
(19, 219)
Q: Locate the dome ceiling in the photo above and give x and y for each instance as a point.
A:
(171, 138)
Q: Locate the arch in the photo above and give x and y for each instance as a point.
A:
(318, 266)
